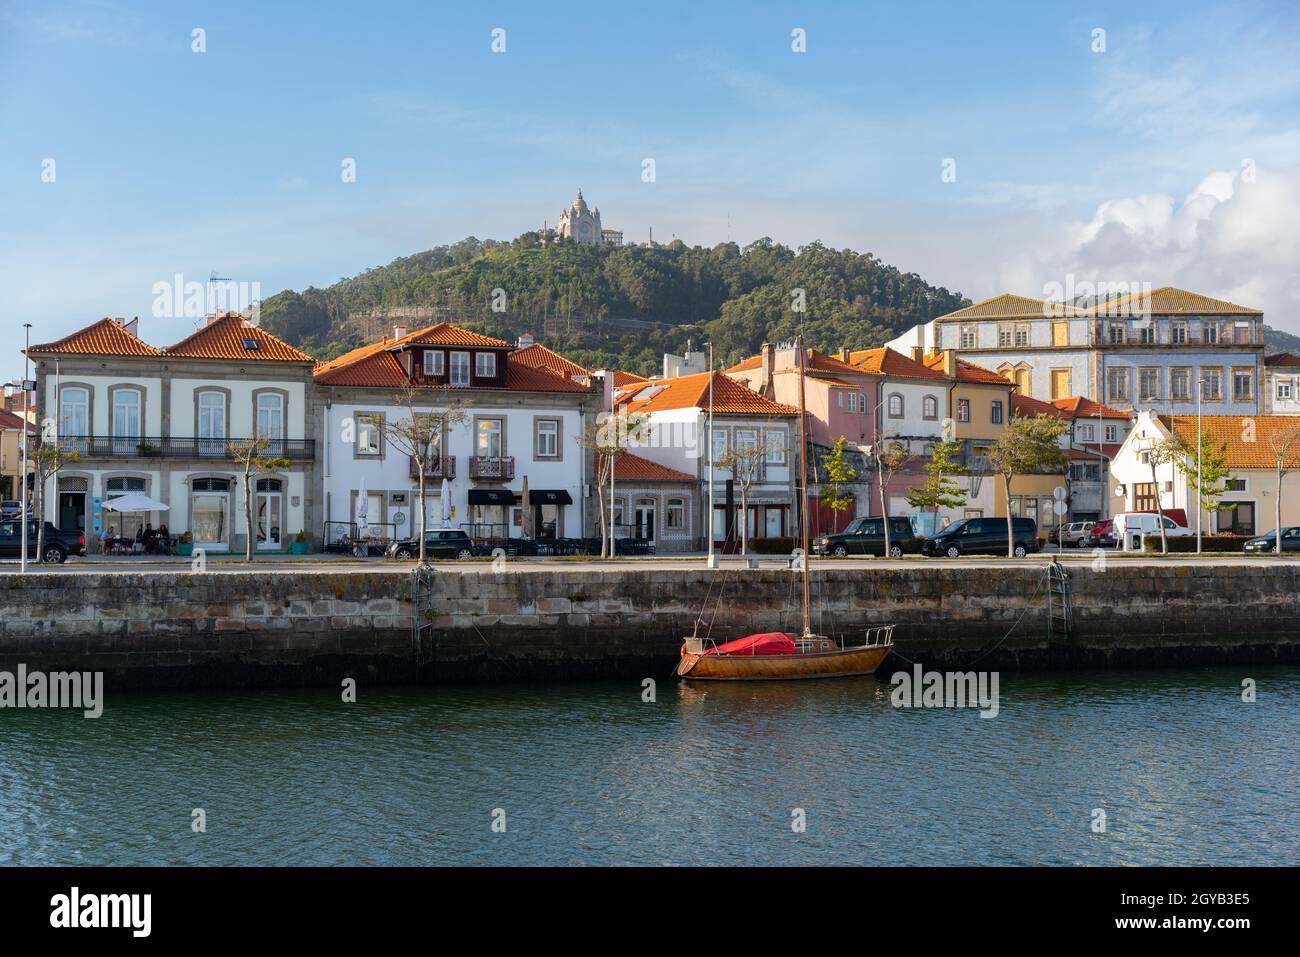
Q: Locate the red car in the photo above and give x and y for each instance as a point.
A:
(1102, 535)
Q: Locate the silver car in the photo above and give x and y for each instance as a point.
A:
(1076, 534)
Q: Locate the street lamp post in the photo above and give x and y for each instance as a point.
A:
(27, 327)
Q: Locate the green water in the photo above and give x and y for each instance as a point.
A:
(1186, 772)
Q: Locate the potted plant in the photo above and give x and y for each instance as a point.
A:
(145, 448)
(185, 544)
(299, 544)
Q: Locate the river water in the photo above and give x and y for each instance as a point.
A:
(1185, 771)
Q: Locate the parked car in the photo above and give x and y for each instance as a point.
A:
(438, 543)
(10, 508)
(983, 536)
(1073, 535)
(1101, 535)
(1268, 542)
(57, 547)
(866, 536)
(1127, 524)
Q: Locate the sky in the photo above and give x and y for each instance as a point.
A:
(987, 147)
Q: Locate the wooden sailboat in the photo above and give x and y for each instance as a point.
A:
(777, 655)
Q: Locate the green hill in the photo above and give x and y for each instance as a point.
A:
(621, 307)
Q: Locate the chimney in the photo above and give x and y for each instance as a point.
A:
(918, 353)
(398, 332)
(765, 376)
(844, 354)
(950, 363)
(524, 341)
(131, 326)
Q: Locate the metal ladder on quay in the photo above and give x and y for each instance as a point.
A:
(423, 613)
(1058, 603)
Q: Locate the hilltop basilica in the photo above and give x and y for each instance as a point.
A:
(581, 224)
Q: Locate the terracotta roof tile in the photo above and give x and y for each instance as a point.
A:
(817, 362)
(224, 338)
(967, 371)
(1011, 306)
(1027, 406)
(1246, 448)
(1081, 407)
(885, 361)
(1282, 359)
(445, 334)
(102, 338)
(692, 391)
(1167, 301)
(629, 467)
(623, 379)
(537, 356)
(10, 421)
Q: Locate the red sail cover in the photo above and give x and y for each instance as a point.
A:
(771, 643)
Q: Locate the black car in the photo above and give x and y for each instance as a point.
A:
(58, 545)
(866, 536)
(438, 543)
(983, 536)
(1268, 543)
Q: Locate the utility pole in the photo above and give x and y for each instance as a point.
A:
(27, 328)
(708, 520)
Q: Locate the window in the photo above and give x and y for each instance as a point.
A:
(963, 410)
(1234, 485)
(433, 359)
(776, 448)
(1149, 385)
(1243, 385)
(126, 419)
(1180, 384)
(74, 411)
(929, 407)
(210, 511)
(1085, 472)
(270, 416)
(1087, 432)
(1022, 334)
(548, 439)
(1116, 333)
(719, 443)
(1144, 496)
(1284, 388)
(895, 406)
(675, 513)
(995, 412)
(1179, 333)
(1147, 333)
(489, 439)
(1241, 333)
(212, 423)
(1112, 433)
(460, 368)
(968, 337)
(1210, 331)
(853, 402)
(485, 365)
(862, 402)
(1117, 385)
(746, 439)
(1237, 518)
(1212, 384)
(368, 433)
(1006, 335)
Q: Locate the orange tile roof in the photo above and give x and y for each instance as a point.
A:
(102, 338)
(967, 371)
(1246, 448)
(817, 362)
(1027, 406)
(10, 421)
(1081, 407)
(1170, 301)
(1108, 449)
(537, 356)
(622, 379)
(692, 391)
(445, 334)
(1011, 306)
(885, 361)
(223, 338)
(1282, 359)
(629, 467)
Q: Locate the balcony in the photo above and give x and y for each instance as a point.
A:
(155, 447)
(442, 468)
(499, 468)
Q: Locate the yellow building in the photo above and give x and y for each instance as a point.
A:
(11, 455)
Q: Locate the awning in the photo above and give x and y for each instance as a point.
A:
(549, 496)
(491, 496)
(135, 502)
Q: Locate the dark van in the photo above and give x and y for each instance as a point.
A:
(866, 536)
(983, 536)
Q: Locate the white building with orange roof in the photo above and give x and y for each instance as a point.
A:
(657, 504)
(677, 412)
(159, 422)
(523, 410)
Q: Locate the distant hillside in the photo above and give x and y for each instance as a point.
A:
(620, 307)
(1275, 340)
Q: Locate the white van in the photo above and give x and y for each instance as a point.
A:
(1128, 525)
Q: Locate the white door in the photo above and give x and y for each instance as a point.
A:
(212, 423)
(269, 515)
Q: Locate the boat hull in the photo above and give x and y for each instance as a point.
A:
(839, 663)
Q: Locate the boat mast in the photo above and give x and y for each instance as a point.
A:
(803, 486)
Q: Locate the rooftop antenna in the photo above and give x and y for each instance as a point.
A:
(212, 277)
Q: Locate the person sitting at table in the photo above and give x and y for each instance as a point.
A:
(106, 540)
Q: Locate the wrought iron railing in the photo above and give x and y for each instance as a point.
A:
(440, 468)
(172, 447)
(492, 467)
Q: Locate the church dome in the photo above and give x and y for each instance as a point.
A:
(580, 204)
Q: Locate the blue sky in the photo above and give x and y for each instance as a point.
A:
(1118, 165)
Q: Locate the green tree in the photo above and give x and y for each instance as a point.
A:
(839, 473)
(1027, 446)
(938, 491)
(1208, 483)
(250, 455)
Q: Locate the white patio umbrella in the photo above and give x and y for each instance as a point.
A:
(363, 511)
(446, 504)
(136, 502)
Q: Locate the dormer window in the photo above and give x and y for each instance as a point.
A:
(485, 365)
(460, 368)
(433, 359)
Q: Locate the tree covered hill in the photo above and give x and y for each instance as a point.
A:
(622, 307)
